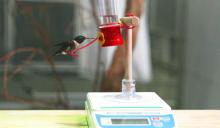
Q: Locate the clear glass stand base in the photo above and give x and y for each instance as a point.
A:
(128, 93)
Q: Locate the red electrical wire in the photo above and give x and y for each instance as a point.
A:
(73, 52)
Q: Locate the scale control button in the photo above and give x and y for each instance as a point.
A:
(158, 124)
(155, 118)
(166, 119)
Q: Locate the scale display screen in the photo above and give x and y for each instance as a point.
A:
(130, 121)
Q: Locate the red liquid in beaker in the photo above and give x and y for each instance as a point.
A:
(112, 35)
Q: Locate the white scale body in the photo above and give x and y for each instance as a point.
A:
(148, 112)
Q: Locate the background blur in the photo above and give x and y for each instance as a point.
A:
(185, 51)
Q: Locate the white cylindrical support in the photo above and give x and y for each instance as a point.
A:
(128, 84)
(129, 22)
(129, 54)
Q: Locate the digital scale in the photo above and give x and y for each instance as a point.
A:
(148, 112)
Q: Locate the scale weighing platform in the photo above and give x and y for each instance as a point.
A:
(150, 111)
